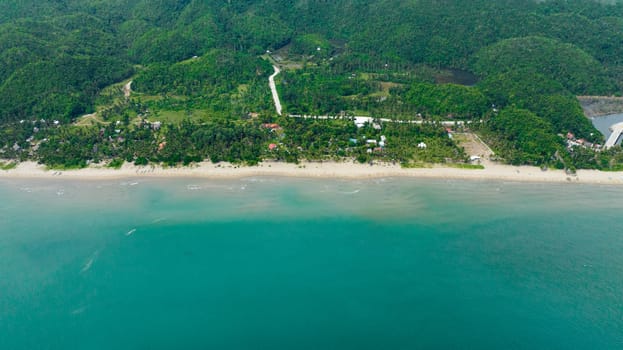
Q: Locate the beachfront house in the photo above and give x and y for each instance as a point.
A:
(475, 159)
(383, 141)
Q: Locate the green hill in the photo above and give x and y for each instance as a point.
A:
(200, 59)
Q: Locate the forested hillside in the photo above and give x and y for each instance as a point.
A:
(201, 60)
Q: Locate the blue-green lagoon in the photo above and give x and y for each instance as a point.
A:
(279, 263)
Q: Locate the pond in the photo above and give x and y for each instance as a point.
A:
(456, 76)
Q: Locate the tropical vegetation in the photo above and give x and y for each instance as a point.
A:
(198, 74)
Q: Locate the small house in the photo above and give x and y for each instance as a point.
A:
(271, 126)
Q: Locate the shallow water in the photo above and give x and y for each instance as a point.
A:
(291, 263)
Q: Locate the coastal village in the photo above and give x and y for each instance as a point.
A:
(374, 143)
(477, 151)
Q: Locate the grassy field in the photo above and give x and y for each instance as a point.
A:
(90, 120)
(7, 165)
(176, 117)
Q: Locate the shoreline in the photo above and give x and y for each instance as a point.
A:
(324, 170)
(600, 106)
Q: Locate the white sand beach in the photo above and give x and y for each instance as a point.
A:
(492, 171)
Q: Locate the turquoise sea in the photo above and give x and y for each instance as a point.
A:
(277, 263)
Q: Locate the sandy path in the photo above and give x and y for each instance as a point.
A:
(273, 89)
(127, 89)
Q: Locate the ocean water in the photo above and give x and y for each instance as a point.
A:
(275, 263)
